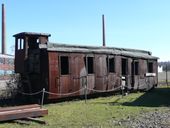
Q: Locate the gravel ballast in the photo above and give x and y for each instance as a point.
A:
(154, 119)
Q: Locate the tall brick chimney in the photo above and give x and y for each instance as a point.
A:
(3, 31)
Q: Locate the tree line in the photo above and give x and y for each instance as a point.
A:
(165, 64)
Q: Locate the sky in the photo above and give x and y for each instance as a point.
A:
(137, 24)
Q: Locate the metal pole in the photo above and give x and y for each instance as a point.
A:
(86, 93)
(42, 99)
(166, 75)
(3, 30)
(103, 28)
(86, 80)
(85, 90)
(122, 91)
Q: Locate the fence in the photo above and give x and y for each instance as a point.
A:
(164, 78)
(43, 92)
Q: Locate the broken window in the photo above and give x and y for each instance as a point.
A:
(150, 67)
(89, 65)
(136, 68)
(64, 65)
(124, 66)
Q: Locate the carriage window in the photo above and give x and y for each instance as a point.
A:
(150, 67)
(89, 65)
(136, 68)
(124, 66)
(32, 43)
(110, 64)
(64, 65)
(20, 44)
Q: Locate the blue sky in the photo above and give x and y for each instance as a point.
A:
(139, 24)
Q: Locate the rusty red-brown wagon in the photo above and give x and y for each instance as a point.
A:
(62, 69)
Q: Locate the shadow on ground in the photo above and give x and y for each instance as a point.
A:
(159, 97)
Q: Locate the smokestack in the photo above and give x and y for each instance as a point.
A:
(3, 30)
(103, 25)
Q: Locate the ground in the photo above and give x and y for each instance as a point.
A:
(136, 110)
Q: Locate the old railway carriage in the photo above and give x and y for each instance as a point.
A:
(63, 69)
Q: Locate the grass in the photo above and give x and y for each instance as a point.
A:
(99, 112)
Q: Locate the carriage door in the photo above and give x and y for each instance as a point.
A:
(101, 72)
(89, 64)
(64, 70)
(134, 74)
(77, 73)
(53, 74)
(111, 72)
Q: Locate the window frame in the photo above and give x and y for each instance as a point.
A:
(60, 65)
(126, 70)
(20, 44)
(150, 70)
(136, 62)
(87, 65)
(108, 58)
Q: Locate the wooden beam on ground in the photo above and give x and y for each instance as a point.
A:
(20, 112)
(19, 107)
